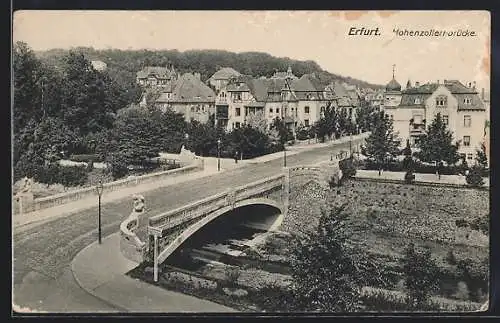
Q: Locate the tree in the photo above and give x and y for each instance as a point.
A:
(137, 137)
(90, 98)
(481, 157)
(436, 145)
(284, 133)
(39, 144)
(325, 276)
(257, 121)
(421, 275)
(475, 176)
(248, 141)
(328, 124)
(202, 138)
(382, 142)
(365, 115)
(27, 89)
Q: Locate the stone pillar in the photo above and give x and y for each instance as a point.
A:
(155, 259)
(25, 197)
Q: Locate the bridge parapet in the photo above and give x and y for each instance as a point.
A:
(131, 246)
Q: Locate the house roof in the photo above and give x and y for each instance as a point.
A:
(188, 88)
(457, 89)
(308, 83)
(225, 73)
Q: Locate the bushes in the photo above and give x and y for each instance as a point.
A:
(382, 300)
(418, 167)
(68, 176)
(421, 274)
(86, 158)
(409, 177)
(348, 168)
(474, 177)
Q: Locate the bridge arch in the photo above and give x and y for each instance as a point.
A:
(192, 229)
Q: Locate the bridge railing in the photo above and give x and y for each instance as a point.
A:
(188, 212)
(212, 203)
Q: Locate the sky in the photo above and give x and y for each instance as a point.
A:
(321, 36)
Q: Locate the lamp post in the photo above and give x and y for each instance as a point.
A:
(350, 143)
(99, 189)
(186, 138)
(218, 154)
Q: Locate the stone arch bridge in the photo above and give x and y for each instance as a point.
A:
(165, 232)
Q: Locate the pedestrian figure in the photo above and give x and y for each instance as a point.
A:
(236, 157)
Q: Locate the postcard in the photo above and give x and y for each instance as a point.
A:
(250, 161)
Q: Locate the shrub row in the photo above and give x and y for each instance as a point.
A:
(86, 158)
(397, 166)
(66, 175)
(418, 167)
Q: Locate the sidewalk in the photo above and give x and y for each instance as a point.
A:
(430, 178)
(100, 270)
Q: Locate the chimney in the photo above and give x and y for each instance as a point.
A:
(482, 94)
(470, 85)
(437, 82)
(417, 84)
(474, 85)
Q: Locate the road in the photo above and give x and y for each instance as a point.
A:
(42, 254)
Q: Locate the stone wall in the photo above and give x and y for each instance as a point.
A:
(63, 198)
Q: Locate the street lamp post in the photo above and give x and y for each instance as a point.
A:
(186, 137)
(285, 130)
(99, 189)
(218, 154)
(350, 143)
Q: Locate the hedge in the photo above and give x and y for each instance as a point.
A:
(65, 175)
(397, 166)
(86, 158)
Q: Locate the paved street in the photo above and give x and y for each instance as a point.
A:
(43, 253)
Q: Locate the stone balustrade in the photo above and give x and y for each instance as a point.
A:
(63, 198)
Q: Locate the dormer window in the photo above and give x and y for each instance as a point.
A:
(417, 101)
(441, 101)
(467, 100)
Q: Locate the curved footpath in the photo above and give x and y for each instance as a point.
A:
(101, 271)
(57, 266)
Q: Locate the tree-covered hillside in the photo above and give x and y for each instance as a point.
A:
(123, 64)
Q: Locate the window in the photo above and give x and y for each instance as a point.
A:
(467, 100)
(467, 121)
(270, 110)
(306, 109)
(238, 112)
(238, 125)
(466, 141)
(306, 122)
(237, 96)
(463, 156)
(417, 100)
(277, 110)
(445, 120)
(470, 156)
(441, 101)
